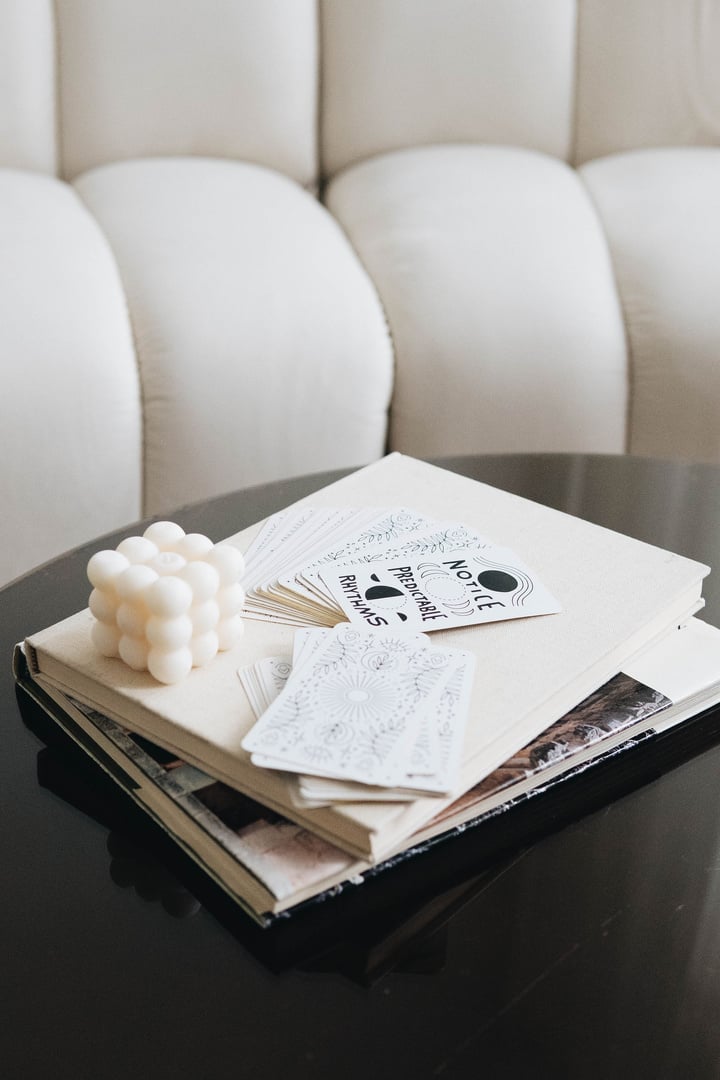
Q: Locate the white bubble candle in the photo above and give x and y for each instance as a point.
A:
(166, 601)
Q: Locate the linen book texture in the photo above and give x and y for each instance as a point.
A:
(616, 596)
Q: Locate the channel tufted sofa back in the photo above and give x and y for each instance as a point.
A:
(647, 76)
(407, 73)
(243, 239)
(577, 79)
(88, 82)
(91, 82)
(28, 118)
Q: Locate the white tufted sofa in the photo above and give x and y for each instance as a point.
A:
(234, 233)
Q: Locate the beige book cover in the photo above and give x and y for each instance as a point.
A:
(617, 594)
(269, 865)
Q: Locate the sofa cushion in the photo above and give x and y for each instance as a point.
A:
(398, 74)
(648, 75)
(70, 405)
(262, 347)
(27, 85)
(223, 78)
(500, 298)
(661, 211)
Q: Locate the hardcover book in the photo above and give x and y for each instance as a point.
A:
(616, 596)
(271, 866)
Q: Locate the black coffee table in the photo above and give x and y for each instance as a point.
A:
(594, 953)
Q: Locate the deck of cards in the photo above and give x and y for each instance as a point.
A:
(381, 709)
(383, 569)
(367, 707)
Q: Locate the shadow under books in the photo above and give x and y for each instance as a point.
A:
(396, 917)
(409, 936)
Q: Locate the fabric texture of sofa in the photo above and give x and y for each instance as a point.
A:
(246, 239)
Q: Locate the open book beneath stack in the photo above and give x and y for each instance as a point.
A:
(615, 597)
(655, 714)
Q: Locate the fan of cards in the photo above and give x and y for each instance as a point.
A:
(361, 714)
(367, 707)
(384, 568)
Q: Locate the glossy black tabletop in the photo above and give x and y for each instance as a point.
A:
(595, 952)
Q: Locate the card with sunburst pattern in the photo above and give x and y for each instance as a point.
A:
(377, 708)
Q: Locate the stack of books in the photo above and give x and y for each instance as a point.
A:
(576, 661)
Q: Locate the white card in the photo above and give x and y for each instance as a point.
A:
(291, 538)
(264, 680)
(451, 589)
(388, 527)
(449, 718)
(355, 708)
(431, 763)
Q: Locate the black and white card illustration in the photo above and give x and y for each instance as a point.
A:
(451, 589)
(359, 708)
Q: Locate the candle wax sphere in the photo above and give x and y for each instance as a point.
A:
(134, 581)
(137, 549)
(230, 600)
(203, 579)
(169, 634)
(134, 652)
(131, 620)
(169, 597)
(205, 616)
(228, 562)
(204, 647)
(104, 567)
(169, 667)
(194, 546)
(103, 605)
(164, 533)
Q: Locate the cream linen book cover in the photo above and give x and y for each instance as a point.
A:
(617, 594)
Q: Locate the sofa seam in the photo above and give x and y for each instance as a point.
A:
(383, 311)
(135, 347)
(630, 364)
(319, 86)
(57, 86)
(574, 109)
